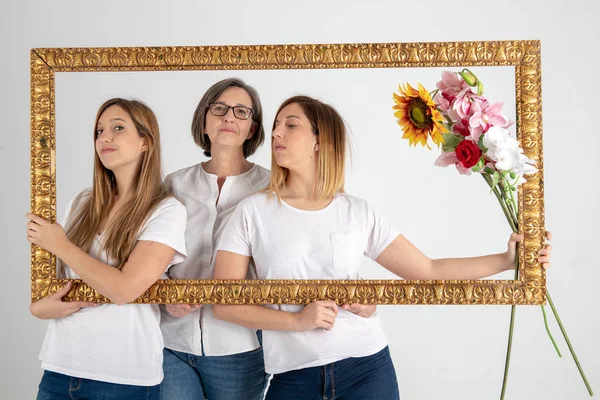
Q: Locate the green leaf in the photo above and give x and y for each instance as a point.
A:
(477, 167)
(488, 170)
(495, 179)
(481, 146)
(450, 141)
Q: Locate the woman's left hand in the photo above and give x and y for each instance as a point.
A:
(363, 310)
(48, 236)
(544, 253)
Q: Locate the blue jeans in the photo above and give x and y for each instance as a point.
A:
(365, 378)
(55, 386)
(235, 377)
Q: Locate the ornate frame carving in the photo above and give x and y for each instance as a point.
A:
(523, 55)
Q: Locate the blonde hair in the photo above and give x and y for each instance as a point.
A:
(329, 126)
(87, 218)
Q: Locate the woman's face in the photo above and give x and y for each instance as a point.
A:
(295, 145)
(118, 142)
(230, 130)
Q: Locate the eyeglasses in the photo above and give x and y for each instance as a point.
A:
(240, 112)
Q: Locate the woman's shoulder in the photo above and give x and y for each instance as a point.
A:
(79, 198)
(263, 172)
(84, 194)
(169, 205)
(258, 177)
(255, 199)
(168, 209)
(353, 201)
(184, 174)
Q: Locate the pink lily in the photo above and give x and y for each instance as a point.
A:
(442, 102)
(448, 158)
(451, 85)
(486, 115)
(446, 107)
(456, 92)
(464, 102)
(461, 127)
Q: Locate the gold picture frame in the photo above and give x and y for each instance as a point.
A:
(524, 55)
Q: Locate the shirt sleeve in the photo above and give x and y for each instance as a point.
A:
(167, 225)
(70, 211)
(380, 233)
(65, 219)
(168, 182)
(236, 236)
(74, 203)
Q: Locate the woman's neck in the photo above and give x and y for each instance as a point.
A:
(125, 178)
(226, 162)
(301, 191)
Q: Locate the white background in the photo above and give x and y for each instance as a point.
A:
(439, 352)
(402, 182)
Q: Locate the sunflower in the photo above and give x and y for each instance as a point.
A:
(418, 116)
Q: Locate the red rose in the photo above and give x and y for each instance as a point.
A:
(468, 153)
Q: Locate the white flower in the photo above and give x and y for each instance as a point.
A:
(507, 155)
(503, 148)
(525, 166)
(495, 138)
(506, 151)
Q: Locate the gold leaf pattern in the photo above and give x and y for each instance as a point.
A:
(523, 55)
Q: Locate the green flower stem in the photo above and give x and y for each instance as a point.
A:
(548, 331)
(448, 120)
(511, 221)
(514, 207)
(564, 332)
(513, 310)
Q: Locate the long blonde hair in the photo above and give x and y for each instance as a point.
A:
(329, 126)
(119, 237)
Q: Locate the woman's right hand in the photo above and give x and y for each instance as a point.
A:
(319, 314)
(181, 310)
(52, 306)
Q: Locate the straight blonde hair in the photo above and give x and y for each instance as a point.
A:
(329, 126)
(91, 210)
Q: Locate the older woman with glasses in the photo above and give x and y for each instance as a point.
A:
(205, 357)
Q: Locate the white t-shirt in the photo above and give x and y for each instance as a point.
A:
(112, 343)
(289, 243)
(198, 191)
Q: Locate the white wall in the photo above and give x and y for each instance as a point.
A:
(439, 352)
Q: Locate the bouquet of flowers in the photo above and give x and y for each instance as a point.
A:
(474, 136)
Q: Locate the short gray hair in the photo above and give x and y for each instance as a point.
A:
(210, 96)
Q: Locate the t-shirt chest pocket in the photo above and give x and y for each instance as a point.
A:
(346, 250)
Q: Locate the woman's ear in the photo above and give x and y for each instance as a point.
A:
(252, 131)
(145, 144)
